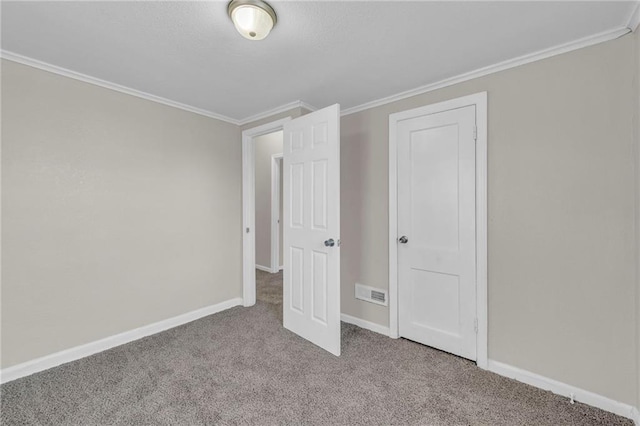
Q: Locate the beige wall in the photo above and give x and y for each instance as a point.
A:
(561, 214)
(117, 212)
(266, 146)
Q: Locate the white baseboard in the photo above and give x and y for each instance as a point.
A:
(635, 415)
(263, 268)
(269, 270)
(580, 395)
(368, 325)
(72, 354)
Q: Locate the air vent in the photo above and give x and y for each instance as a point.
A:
(378, 296)
(370, 294)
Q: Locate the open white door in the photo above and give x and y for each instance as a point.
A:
(312, 227)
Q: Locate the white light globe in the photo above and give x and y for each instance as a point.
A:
(252, 22)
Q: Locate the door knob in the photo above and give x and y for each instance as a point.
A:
(329, 242)
(403, 239)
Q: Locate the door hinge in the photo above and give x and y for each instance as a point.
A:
(475, 133)
(475, 325)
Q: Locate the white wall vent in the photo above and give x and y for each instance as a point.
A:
(370, 294)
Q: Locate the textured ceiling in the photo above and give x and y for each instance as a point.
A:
(319, 52)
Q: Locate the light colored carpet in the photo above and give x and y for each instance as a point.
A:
(242, 367)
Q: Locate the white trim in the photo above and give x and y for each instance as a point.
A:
(393, 230)
(482, 220)
(308, 106)
(480, 102)
(501, 66)
(580, 395)
(263, 268)
(275, 212)
(78, 352)
(634, 19)
(5, 54)
(368, 325)
(249, 207)
(24, 60)
(248, 221)
(276, 110)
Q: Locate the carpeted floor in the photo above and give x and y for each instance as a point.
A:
(242, 367)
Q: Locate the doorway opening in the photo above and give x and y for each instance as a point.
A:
(277, 234)
(268, 214)
(268, 205)
(261, 199)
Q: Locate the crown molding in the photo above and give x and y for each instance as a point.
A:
(632, 25)
(634, 19)
(308, 106)
(276, 110)
(24, 60)
(501, 66)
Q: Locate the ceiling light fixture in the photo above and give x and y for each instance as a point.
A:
(254, 19)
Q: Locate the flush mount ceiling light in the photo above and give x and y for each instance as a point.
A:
(254, 19)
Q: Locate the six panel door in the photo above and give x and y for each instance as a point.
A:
(311, 223)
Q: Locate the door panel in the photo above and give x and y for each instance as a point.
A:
(434, 173)
(311, 217)
(296, 273)
(439, 313)
(319, 265)
(436, 211)
(319, 200)
(296, 177)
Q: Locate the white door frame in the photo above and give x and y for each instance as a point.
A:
(276, 262)
(480, 102)
(249, 207)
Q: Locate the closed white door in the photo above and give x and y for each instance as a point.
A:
(312, 227)
(437, 230)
